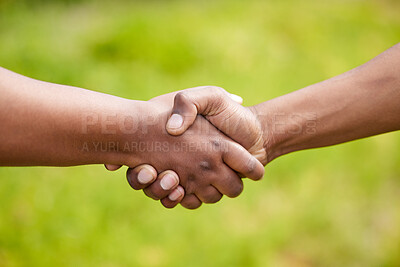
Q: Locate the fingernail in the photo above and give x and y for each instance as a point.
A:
(175, 121)
(168, 181)
(144, 176)
(175, 195)
(237, 98)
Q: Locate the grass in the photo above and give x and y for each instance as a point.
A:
(335, 206)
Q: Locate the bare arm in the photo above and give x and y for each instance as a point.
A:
(57, 125)
(360, 103)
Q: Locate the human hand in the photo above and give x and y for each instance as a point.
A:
(224, 111)
(216, 177)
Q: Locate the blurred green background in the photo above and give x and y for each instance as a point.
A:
(337, 206)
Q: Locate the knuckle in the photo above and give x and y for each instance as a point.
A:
(150, 194)
(209, 195)
(205, 165)
(156, 193)
(193, 206)
(212, 198)
(181, 97)
(132, 183)
(168, 204)
(183, 103)
(217, 94)
(216, 143)
(190, 203)
(216, 89)
(134, 186)
(236, 190)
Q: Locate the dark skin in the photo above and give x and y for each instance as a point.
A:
(242, 125)
(208, 180)
(45, 124)
(359, 103)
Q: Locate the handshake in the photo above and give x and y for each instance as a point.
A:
(199, 147)
(195, 145)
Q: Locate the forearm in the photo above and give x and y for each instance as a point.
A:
(57, 125)
(360, 103)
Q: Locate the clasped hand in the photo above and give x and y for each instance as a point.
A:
(209, 143)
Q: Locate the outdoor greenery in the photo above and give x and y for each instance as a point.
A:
(337, 206)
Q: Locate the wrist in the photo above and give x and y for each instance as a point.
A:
(286, 125)
(141, 129)
(264, 115)
(113, 135)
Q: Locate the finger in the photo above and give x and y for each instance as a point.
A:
(174, 198)
(190, 201)
(183, 115)
(236, 98)
(205, 100)
(228, 183)
(240, 160)
(112, 167)
(141, 176)
(209, 195)
(166, 182)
